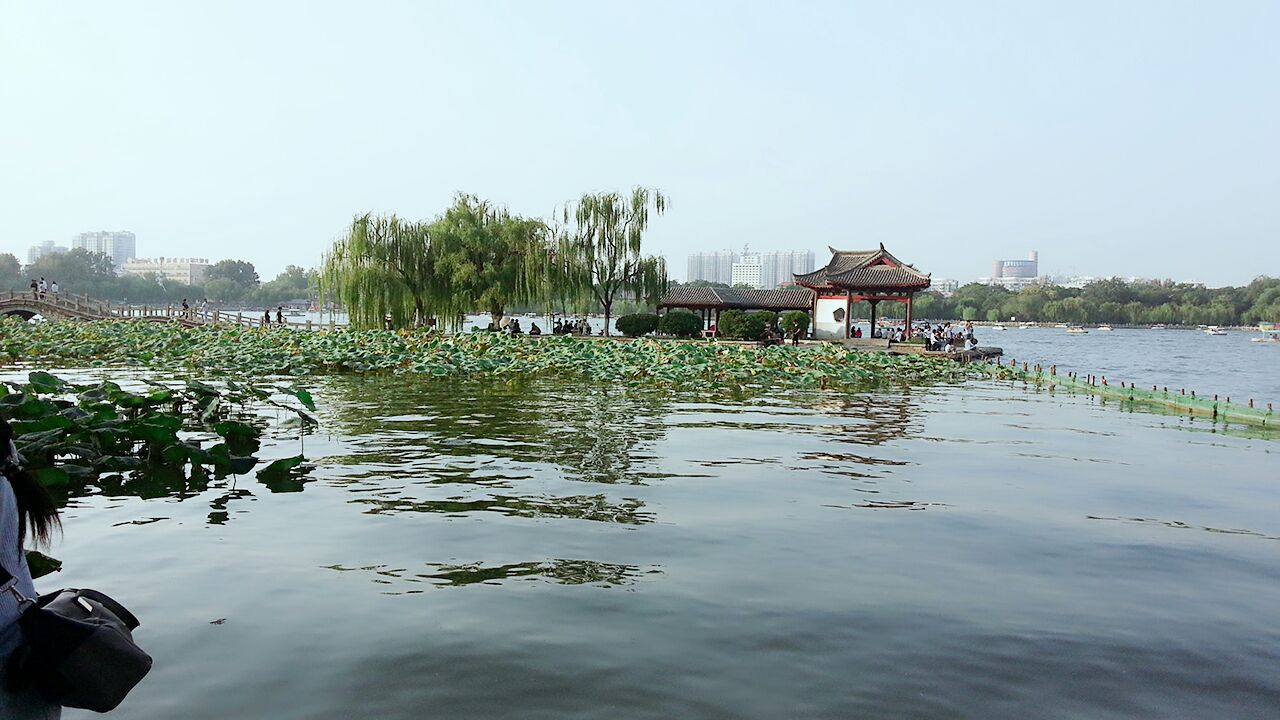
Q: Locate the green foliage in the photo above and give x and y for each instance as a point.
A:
(240, 273)
(385, 266)
(739, 325)
(600, 251)
(488, 258)
(793, 319)
(1107, 301)
(638, 324)
(680, 323)
(421, 353)
(11, 277)
(70, 434)
(86, 272)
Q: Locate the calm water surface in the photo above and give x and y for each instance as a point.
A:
(1228, 365)
(551, 550)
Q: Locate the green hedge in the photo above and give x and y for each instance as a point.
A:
(637, 325)
(739, 325)
(680, 323)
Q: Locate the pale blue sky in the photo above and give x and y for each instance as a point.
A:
(1130, 138)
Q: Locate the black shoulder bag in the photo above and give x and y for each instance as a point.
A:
(77, 648)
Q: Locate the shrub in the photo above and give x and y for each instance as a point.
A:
(637, 325)
(739, 325)
(795, 319)
(681, 323)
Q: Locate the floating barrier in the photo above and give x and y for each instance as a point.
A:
(1176, 400)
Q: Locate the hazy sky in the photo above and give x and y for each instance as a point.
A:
(1129, 138)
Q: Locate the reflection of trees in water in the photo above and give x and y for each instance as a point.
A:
(597, 508)
(558, 571)
(593, 433)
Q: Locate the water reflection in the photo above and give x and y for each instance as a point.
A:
(596, 508)
(557, 571)
(592, 433)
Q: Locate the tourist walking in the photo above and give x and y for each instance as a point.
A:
(186, 309)
(44, 288)
(266, 317)
(35, 289)
(27, 512)
(53, 287)
(280, 315)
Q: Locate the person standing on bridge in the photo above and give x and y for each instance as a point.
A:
(44, 288)
(35, 289)
(280, 315)
(53, 286)
(266, 318)
(186, 309)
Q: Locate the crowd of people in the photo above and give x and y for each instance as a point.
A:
(948, 337)
(943, 337)
(40, 289)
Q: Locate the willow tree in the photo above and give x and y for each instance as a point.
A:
(385, 266)
(601, 247)
(489, 258)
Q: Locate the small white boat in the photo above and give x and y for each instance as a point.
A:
(1272, 338)
(1159, 326)
(1104, 328)
(997, 327)
(1077, 330)
(1214, 330)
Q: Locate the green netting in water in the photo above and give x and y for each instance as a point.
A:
(1177, 401)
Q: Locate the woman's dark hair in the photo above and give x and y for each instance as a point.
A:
(36, 509)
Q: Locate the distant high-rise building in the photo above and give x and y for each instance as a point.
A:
(776, 268)
(747, 271)
(712, 267)
(773, 268)
(119, 246)
(45, 248)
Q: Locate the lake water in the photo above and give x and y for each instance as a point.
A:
(553, 550)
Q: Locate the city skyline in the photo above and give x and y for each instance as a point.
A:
(956, 134)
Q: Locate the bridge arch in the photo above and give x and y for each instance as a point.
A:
(23, 313)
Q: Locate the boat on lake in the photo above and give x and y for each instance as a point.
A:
(1077, 330)
(997, 327)
(1269, 338)
(1104, 328)
(1214, 330)
(1159, 326)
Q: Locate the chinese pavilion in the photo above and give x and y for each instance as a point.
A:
(872, 276)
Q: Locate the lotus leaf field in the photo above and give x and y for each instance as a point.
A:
(226, 349)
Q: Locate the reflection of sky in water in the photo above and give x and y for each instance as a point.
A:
(962, 551)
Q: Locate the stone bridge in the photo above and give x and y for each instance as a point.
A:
(70, 306)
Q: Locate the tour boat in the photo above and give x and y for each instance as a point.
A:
(1272, 338)
(997, 327)
(1159, 326)
(1077, 330)
(1104, 328)
(1214, 330)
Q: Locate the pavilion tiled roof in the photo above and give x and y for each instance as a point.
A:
(864, 270)
(788, 298)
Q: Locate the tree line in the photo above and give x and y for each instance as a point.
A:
(228, 282)
(1111, 301)
(476, 255)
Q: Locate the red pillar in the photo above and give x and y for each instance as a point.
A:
(908, 329)
(848, 310)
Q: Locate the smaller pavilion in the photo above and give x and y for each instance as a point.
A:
(708, 302)
(872, 276)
